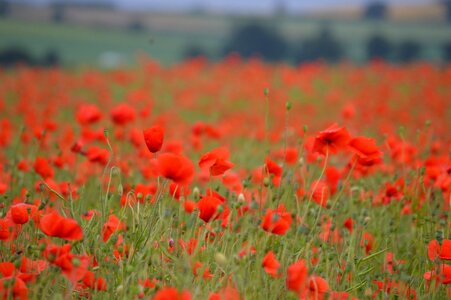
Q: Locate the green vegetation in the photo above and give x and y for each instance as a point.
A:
(83, 45)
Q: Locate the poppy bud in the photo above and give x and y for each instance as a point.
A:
(120, 190)
(221, 259)
(196, 193)
(76, 262)
(154, 138)
(288, 105)
(266, 181)
(241, 198)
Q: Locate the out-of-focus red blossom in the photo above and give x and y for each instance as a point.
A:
(348, 111)
(7, 229)
(62, 257)
(367, 242)
(112, 225)
(331, 140)
(441, 251)
(216, 161)
(391, 263)
(77, 147)
(43, 168)
(3, 188)
(317, 287)
(123, 114)
(89, 214)
(206, 272)
(441, 274)
(349, 224)
(334, 295)
(291, 156)
(90, 281)
(54, 225)
(277, 221)
(177, 191)
(392, 287)
(21, 212)
(189, 206)
(153, 138)
(18, 290)
(297, 276)
(366, 151)
(271, 264)
(208, 207)
(332, 178)
(88, 114)
(319, 192)
(233, 182)
(23, 165)
(228, 293)
(189, 246)
(170, 293)
(30, 269)
(176, 167)
(99, 155)
(274, 169)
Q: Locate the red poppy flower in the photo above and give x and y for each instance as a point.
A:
(366, 151)
(6, 229)
(18, 290)
(208, 206)
(319, 192)
(88, 114)
(20, 212)
(113, 224)
(271, 264)
(206, 273)
(442, 251)
(123, 114)
(98, 155)
(349, 224)
(367, 242)
(54, 225)
(170, 293)
(43, 168)
(227, 293)
(297, 276)
(277, 221)
(316, 288)
(216, 160)
(442, 274)
(331, 140)
(62, 257)
(176, 168)
(154, 138)
(90, 281)
(273, 168)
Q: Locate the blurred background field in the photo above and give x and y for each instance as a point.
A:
(100, 33)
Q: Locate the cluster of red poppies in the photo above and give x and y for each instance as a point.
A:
(237, 171)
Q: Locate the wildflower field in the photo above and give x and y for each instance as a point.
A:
(228, 180)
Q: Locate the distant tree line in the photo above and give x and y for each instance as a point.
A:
(257, 39)
(12, 56)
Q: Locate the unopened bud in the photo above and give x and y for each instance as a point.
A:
(221, 259)
(266, 181)
(288, 105)
(241, 198)
(196, 193)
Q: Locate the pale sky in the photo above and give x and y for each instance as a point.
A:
(237, 5)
